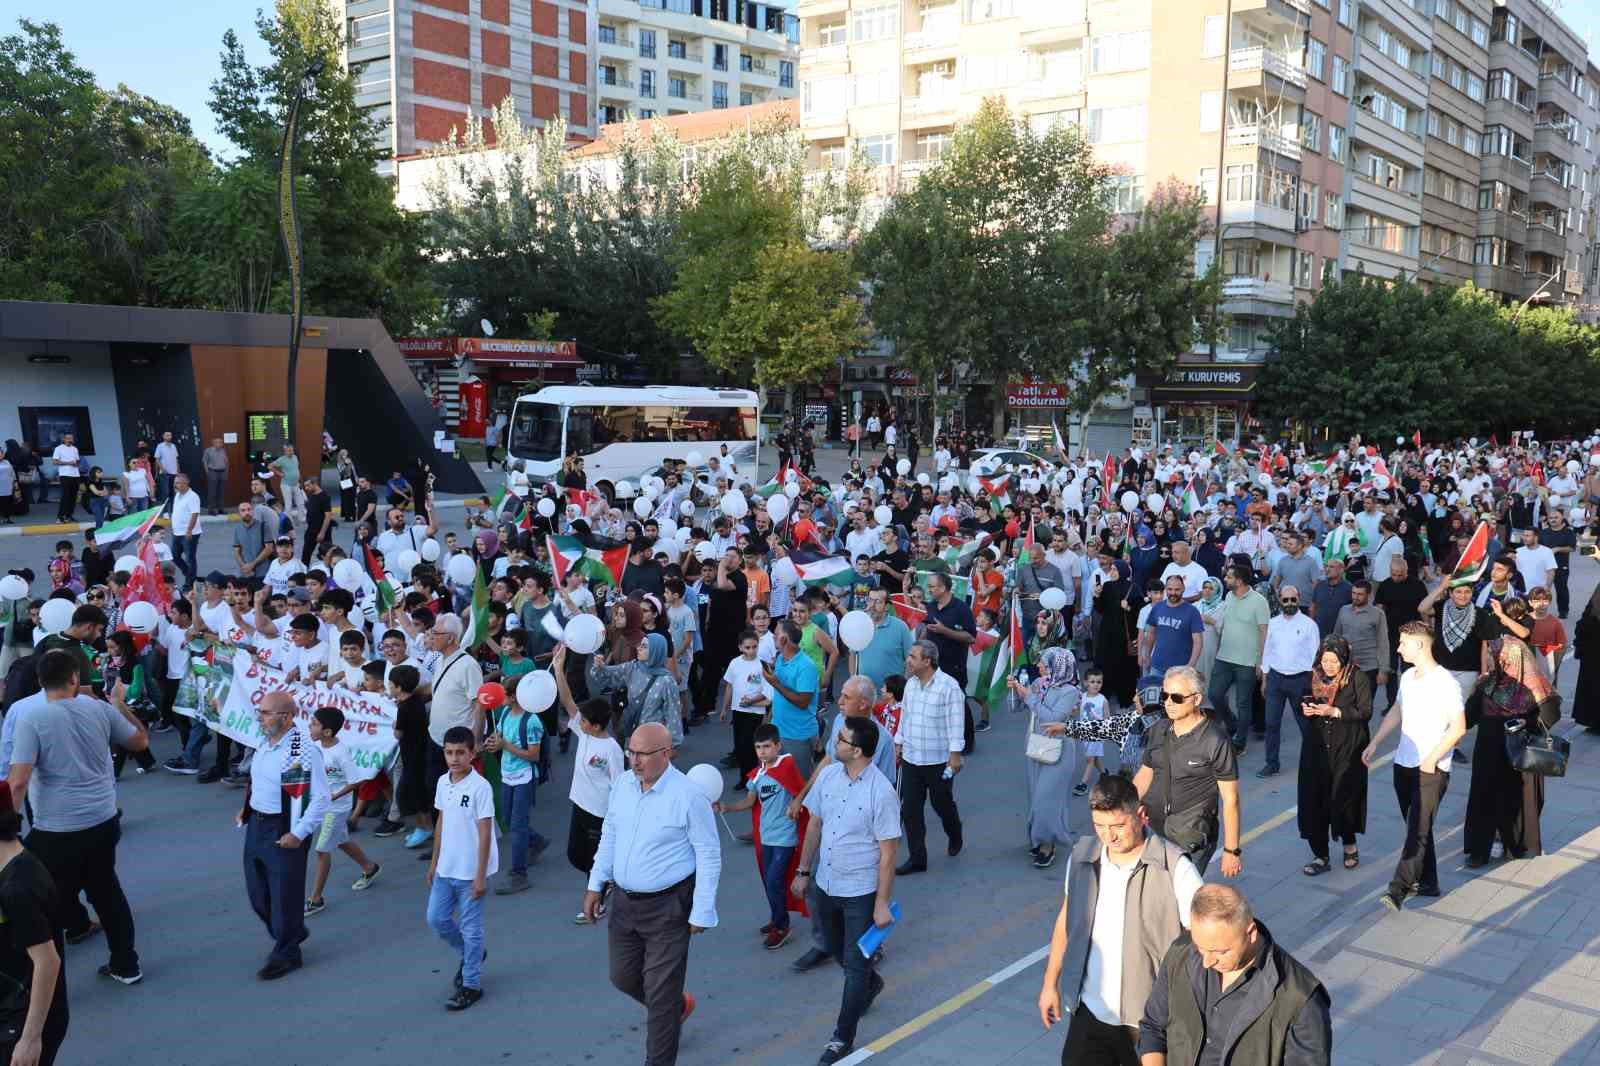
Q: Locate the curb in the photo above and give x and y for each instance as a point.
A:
(70, 528)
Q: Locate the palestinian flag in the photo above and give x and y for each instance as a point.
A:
(128, 527)
(476, 630)
(980, 663)
(906, 611)
(834, 570)
(1219, 450)
(997, 489)
(1010, 656)
(601, 565)
(1028, 541)
(146, 584)
(781, 478)
(386, 596)
(581, 499)
(1474, 561)
(1317, 466)
(960, 587)
(1191, 500)
(1416, 438)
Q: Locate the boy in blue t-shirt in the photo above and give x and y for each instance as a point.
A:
(517, 736)
(1175, 631)
(773, 784)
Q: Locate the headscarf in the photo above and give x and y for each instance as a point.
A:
(1058, 668)
(491, 551)
(1324, 687)
(656, 664)
(1210, 602)
(625, 645)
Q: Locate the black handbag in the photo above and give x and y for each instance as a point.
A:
(1536, 751)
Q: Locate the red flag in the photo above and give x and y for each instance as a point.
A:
(1027, 542)
(906, 611)
(1108, 479)
(1416, 438)
(1474, 559)
(787, 774)
(1494, 441)
(1537, 471)
(580, 498)
(146, 584)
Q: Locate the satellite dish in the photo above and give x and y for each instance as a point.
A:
(487, 327)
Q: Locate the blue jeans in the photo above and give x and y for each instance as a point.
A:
(199, 733)
(774, 877)
(843, 920)
(1242, 680)
(97, 507)
(186, 554)
(518, 802)
(458, 919)
(1281, 689)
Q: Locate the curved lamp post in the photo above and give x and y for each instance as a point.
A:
(289, 231)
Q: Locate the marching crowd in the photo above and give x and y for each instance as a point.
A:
(855, 638)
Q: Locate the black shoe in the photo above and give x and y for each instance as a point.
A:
(833, 1051)
(1267, 771)
(1238, 749)
(121, 978)
(955, 846)
(908, 867)
(810, 961)
(464, 998)
(1390, 900)
(1474, 863)
(387, 828)
(981, 727)
(276, 968)
(211, 776)
(84, 934)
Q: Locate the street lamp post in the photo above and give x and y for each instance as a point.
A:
(1536, 294)
(289, 232)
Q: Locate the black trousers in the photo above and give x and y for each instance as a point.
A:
(276, 880)
(1091, 1042)
(1419, 795)
(649, 944)
(918, 784)
(1563, 597)
(85, 860)
(744, 745)
(50, 1037)
(69, 498)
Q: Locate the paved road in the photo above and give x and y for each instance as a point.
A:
(1505, 968)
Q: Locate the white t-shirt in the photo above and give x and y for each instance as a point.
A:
(185, 506)
(138, 483)
(744, 678)
(462, 805)
(173, 638)
(1193, 576)
(1427, 704)
(1535, 564)
(66, 457)
(1102, 983)
(767, 648)
(279, 572)
(341, 770)
(304, 659)
(598, 764)
(890, 434)
(219, 620)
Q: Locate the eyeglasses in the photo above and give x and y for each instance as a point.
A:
(1288, 599)
(1177, 697)
(645, 754)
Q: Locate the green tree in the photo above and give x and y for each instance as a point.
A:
(794, 315)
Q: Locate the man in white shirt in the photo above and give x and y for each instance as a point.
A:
(1095, 928)
(1535, 562)
(398, 537)
(1065, 560)
(864, 538)
(186, 508)
(1184, 566)
(66, 459)
(167, 465)
(931, 736)
(891, 433)
(1430, 716)
(1285, 669)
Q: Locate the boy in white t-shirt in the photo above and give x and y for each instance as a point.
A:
(283, 567)
(766, 643)
(1092, 707)
(598, 764)
(465, 856)
(744, 700)
(1431, 719)
(325, 725)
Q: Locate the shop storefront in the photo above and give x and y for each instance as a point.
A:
(1034, 408)
(464, 377)
(1196, 403)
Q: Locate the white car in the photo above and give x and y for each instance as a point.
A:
(990, 461)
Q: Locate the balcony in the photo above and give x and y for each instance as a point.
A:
(616, 87)
(1241, 213)
(936, 104)
(1556, 138)
(688, 94)
(759, 71)
(617, 43)
(1263, 137)
(1288, 10)
(1547, 187)
(1253, 67)
(832, 53)
(1543, 237)
(937, 37)
(816, 8)
(1254, 288)
(1557, 88)
(685, 57)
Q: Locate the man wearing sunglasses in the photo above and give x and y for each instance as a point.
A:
(1188, 766)
(1285, 670)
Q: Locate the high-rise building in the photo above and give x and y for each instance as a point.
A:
(1446, 140)
(659, 58)
(425, 67)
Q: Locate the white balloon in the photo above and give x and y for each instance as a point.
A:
(783, 572)
(1130, 501)
(883, 513)
(792, 477)
(694, 459)
(683, 535)
(536, 691)
(647, 491)
(922, 478)
(348, 574)
(686, 508)
(547, 507)
(642, 507)
(404, 563)
(142, 617)
(1052, 599)
(791, 490)
(430, 551)
(1572, 466)
(903, 467)
(1194, 457)
(856, 629)
(708, 779)
(1156, 502)
(734, 505)
(625, 489)
(127, 564)
(666, 529)
(584, 634)
(1399, 440)
(705, 551)
(56, 615)
(13, 587)
(947, 483)
(460, 569)
(778, 507)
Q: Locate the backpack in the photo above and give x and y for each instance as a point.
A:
(522, 735)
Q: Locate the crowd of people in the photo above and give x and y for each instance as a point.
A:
(1159, 610)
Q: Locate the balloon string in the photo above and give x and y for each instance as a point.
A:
(731, 834)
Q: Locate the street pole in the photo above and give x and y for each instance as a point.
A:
(289, 233)
(1536, 294)
(1222, 157)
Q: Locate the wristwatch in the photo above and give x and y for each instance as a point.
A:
(1237, 853)
(802, 873)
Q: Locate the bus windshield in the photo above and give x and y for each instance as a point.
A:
(535, 431)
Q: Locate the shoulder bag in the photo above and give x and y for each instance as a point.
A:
(1536, 750)
(1042, 749)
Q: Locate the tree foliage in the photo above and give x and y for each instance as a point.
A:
(1374, 357)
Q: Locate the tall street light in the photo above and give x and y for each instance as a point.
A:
(289, 230)
(1536, 294)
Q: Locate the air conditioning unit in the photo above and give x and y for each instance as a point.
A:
(944, 68)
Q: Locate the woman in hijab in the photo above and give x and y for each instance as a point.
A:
(627, 630)
(1333, 779)
(347, 482)
(1055, 697)
(1586, 649)
(486, 553)
(1114, 637)
(1210, 607)
(1504, 803)
(1208, 553)
(1144, 554)
(652, 691)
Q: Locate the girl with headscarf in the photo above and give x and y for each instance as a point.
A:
(1210, 607)
(1333, 779)
(1586, 649)
(652, 691)
(625, 632)
(1118, 612)
(486, 552)
(1208, 553)
(1504, 803)
(1055, 697)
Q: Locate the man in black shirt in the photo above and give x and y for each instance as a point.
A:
(366, 503)
(1399, 596)
(319, 520)
(642, 574)
(33, 1001)
(727, 612)
(1561, 539)
(951, 627)
(1188, 764)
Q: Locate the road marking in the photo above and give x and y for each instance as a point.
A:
(999, 977)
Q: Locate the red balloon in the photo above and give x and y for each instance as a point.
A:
(492, 695)
(1013, 528)
(949, 522)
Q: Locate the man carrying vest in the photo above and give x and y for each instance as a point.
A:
(1127, 900)
(1228, 993)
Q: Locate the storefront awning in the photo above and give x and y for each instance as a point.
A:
(492, 351)
(1226, 383)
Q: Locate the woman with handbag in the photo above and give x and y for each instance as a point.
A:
(1332, 798)
(652, 691)
(1051, 762)
(1504, 803)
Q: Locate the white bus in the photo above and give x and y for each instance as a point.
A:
(624, 434)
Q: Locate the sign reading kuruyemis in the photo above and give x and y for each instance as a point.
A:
(225, 684)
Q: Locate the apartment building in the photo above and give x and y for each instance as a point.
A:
(426, 67)
(658, 58)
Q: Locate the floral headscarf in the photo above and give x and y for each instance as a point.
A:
(1058, 668)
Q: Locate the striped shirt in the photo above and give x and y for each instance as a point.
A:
(932, 720)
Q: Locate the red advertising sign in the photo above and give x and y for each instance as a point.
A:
(901, 375)
(427, 348)
(497, 350)
(1037, 394)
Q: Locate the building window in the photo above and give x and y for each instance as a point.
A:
(833, 156)
(647, 83)
(1239, 182)
(1212, 39)
(1207, 186)
(747, 63)
(832, 35)
(983, 10)
(647, 112)
(677, 49)
(1311, 131)
(1480, 33)
(877, 149)
(874, 23)
(372, 76)
(1113, 125)
(1474, 86)
(1341, 75)
(1310, 204)
(876, 87)
(1346, 18)
(1210, 111)
(1304, 269)
(647, 44)
(607, 34)
(1469, 142)
(369, 30)
(1111, 52)
(719, 57)
(1041, 123)
(1336, 143)
(1125, 193)
(677, 88)
(608, 75)
(932, 147)
(786, 73)
(746, 97)
(1333, 211)
(1316, 53)
(719, 94)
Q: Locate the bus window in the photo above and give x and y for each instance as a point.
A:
(636, 425)
(535, 432)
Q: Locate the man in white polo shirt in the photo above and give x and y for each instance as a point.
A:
(1431, 720)
(186, 508)
(66, 460)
